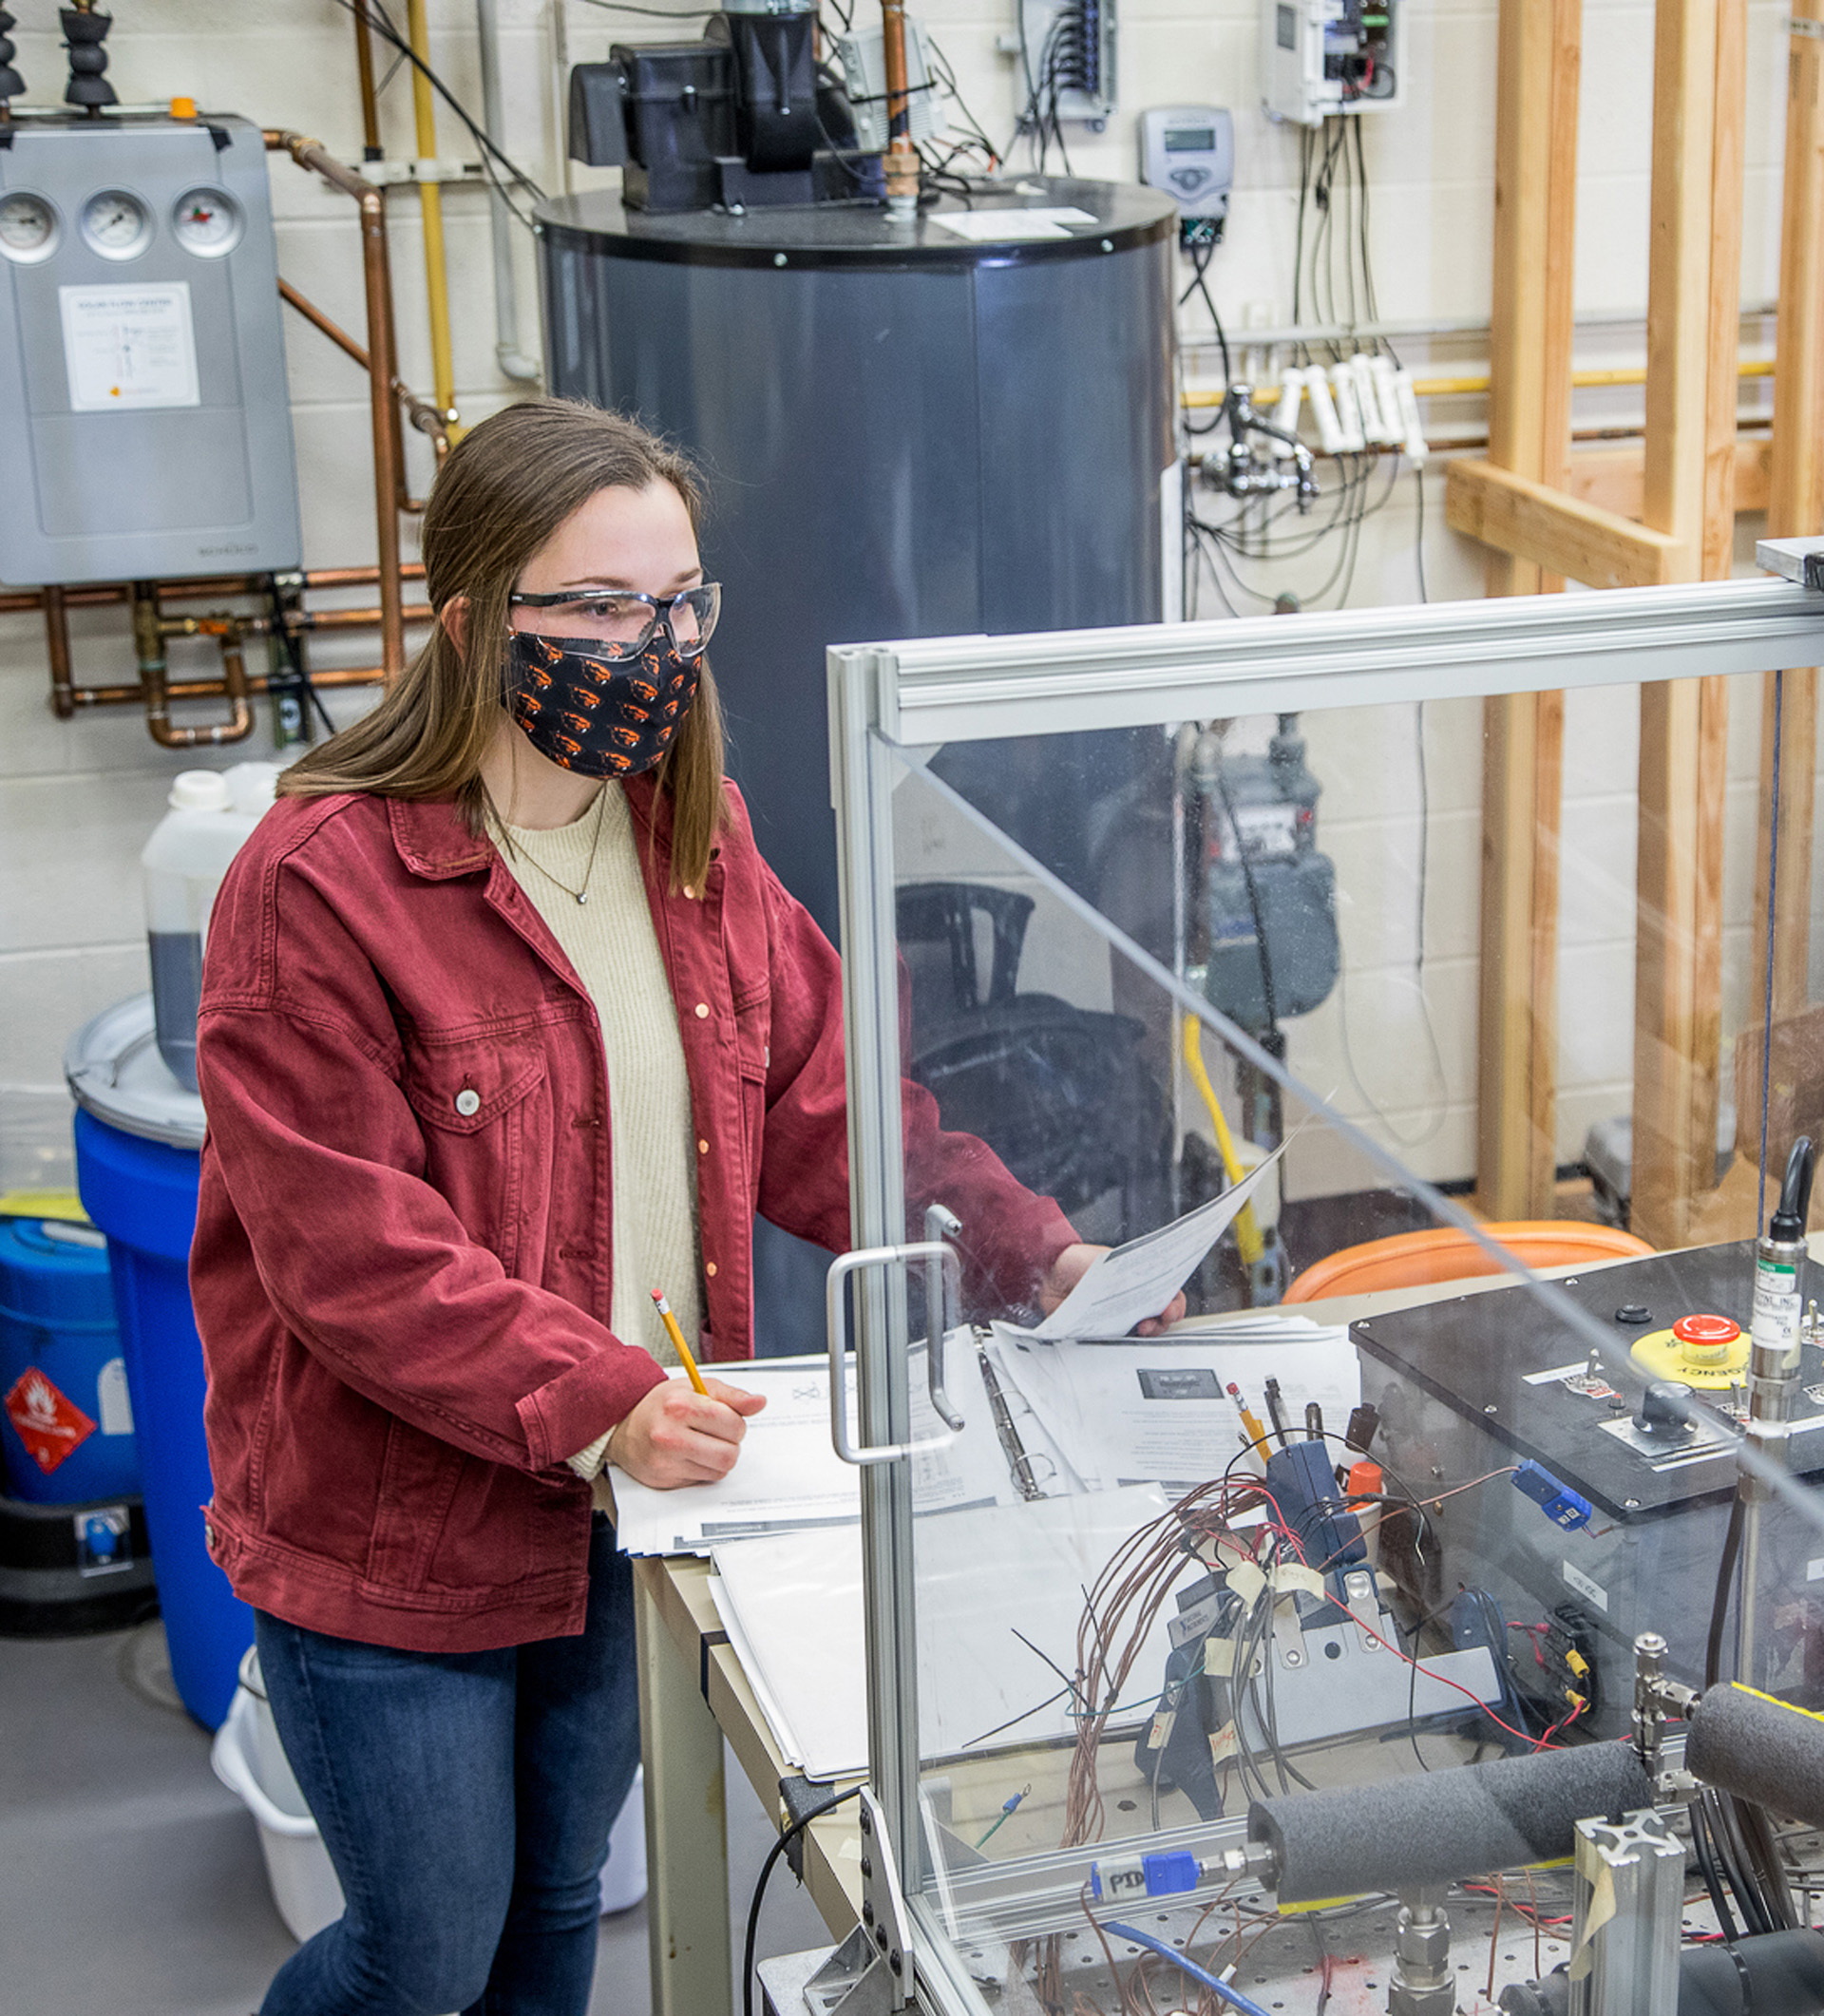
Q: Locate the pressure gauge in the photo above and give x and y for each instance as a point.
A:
(28, 228)
(116, 224)
(206, 222)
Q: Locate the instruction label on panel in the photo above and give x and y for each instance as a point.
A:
(127, 346)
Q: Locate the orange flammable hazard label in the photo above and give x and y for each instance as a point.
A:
(49, 1422)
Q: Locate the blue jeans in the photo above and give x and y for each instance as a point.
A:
(466, 1800)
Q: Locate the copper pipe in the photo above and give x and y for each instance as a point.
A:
(364, 67)
(91, 595)
(57, 643)
(425, 416)
(901, 162)
(353, 619)
(148, 638)
(214, 689)
(389, 461)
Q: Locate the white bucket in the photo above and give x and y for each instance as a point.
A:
(250, 1760)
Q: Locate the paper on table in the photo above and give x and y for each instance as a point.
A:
(792, 1603)
(787, 1474)
(1137, 1280)
(787, 1471)
(1158, 1409)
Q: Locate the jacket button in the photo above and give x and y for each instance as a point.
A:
(702, 1148)
(689, 894)
(702, 1011)
(469, 1102)
(708, 1268)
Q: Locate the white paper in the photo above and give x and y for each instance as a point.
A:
(984, 227)
(130, 346)
(1137, 1280)
(787, 1474)
(1158, 1409)
(793, 1606)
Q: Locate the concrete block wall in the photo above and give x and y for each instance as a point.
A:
(78, 798)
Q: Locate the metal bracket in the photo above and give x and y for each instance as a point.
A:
(870, 1973)
(940, 1224)
(932, 1253)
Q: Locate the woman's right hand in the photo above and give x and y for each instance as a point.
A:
(676, 1435)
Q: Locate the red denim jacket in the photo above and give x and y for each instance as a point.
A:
(401, 1267)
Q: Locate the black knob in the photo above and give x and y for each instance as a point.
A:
(1661, 1405)
(1635, 1314)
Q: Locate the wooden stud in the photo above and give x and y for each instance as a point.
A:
(1529, 353)
(1794, 507)
(1614, 477)
(1563, 537)
(1693, 331)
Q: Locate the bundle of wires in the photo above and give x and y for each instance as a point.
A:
(1332, 280)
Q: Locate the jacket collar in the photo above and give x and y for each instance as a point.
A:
(435, 842)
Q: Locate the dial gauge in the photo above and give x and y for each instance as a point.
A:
(206, 222)
(27, 227)
(116, 224)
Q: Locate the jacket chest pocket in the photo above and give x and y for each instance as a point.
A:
(752, 1056)
(484, 1111)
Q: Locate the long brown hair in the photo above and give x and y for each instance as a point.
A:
(502, 492)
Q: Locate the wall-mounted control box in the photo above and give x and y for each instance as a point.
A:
(142, 363)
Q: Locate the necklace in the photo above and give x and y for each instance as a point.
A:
(582, 895)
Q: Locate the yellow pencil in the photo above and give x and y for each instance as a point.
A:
(679, 1344)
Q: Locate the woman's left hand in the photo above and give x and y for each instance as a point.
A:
(1070, 1267)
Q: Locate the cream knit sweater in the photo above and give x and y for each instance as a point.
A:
(610, 943)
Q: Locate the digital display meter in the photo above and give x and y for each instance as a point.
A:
(1188, 152)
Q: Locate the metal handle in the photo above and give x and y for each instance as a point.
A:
(940, 1225)
(837, 1322)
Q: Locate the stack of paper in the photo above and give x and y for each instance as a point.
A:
(1000, 1597)
(1159, 1409)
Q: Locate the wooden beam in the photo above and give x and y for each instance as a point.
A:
(1692, 335)
(1560, 534)
(1795, 506)
(1530, 360)
(1615, 478)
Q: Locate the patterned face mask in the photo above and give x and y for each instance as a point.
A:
(600, 718)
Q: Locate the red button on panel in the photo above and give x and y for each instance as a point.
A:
(1716, 1333)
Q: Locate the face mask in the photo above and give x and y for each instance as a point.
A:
(600, 718)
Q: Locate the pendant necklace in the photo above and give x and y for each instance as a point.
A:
(582, 895)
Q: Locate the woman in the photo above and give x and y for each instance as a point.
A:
(506, 1024)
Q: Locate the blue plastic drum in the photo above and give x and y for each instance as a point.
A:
(139, 1138)
(66, 1416)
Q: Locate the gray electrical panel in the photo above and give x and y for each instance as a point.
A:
(142, 389)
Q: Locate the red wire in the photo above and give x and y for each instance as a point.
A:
(1442, 1681)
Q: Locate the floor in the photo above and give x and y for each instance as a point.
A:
(133, 1882)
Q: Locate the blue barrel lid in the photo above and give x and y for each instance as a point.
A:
(114, 1070)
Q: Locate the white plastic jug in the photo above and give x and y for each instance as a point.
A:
(212, 812)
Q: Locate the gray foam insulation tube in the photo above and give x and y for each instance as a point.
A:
(1760, 1749)
(1415, 1833)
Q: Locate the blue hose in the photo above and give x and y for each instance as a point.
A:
(1232, 1996)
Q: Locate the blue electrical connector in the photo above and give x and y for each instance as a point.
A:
(1560, 1504)
(1156, 1876)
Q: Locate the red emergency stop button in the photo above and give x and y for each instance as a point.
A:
(1706, 1338)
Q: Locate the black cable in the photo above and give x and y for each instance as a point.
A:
(1712, 1879)
(1200, 258)
(1733, 1857)
(773, 1854)
(382, 26)
(1720, 1603)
